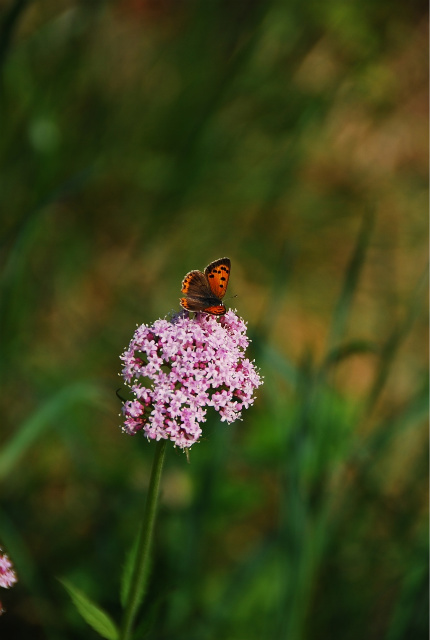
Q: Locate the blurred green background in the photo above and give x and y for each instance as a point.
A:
(141, 139)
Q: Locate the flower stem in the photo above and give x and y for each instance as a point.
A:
(141, 562)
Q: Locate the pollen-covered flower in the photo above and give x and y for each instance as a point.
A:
(177, 369)
(7, 574)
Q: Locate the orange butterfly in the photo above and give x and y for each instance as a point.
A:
(205, 290)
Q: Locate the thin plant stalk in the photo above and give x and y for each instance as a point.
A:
(141, 562)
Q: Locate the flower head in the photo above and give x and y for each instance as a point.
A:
(177, 369)
(7, 574)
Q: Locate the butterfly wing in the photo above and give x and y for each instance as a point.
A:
(195, 284)
(217, 274)
(196, 287)
(216, 310)
(194, 304)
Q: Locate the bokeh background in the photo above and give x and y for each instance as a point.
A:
(141, 139)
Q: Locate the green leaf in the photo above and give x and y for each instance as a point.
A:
(91, 613)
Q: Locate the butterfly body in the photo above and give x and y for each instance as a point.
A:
(204, 291)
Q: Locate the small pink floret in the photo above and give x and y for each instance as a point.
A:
(7, 574)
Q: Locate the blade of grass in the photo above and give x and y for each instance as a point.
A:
(353, 271)
(395, 340)
(9, 24)
(411, 611)
(415, 412)
(43, 418)
(344, 351)
(23, 241)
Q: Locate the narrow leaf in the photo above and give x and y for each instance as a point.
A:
(91, 613)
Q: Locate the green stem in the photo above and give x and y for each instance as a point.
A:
(141, 563)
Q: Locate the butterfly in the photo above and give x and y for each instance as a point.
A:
(204, 290)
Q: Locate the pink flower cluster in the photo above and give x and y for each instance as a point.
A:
(7, 574)
(177, 369)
